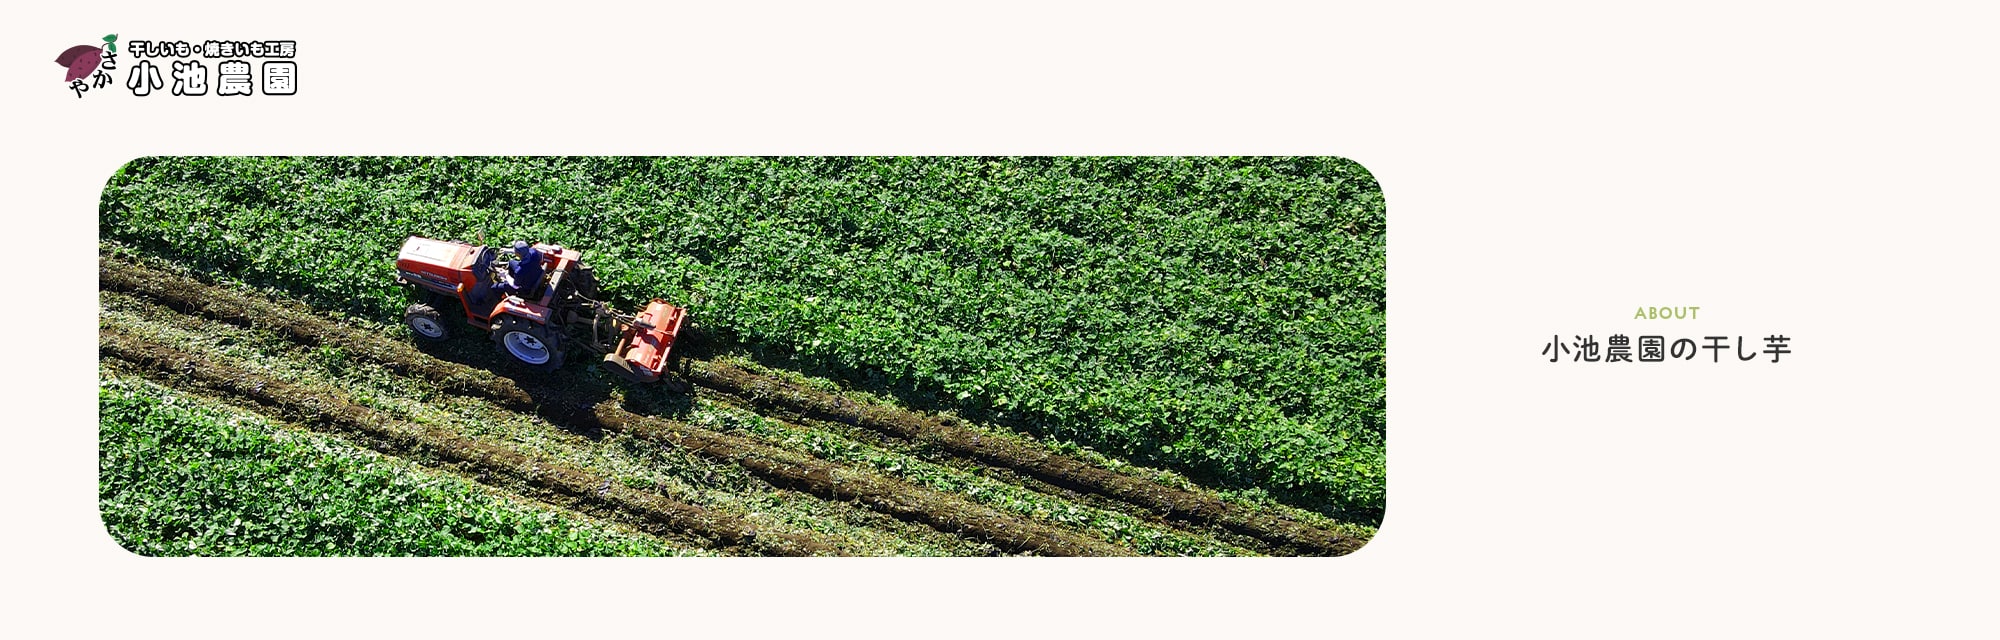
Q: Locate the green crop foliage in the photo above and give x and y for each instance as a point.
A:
(177, 478)
(1220, 316)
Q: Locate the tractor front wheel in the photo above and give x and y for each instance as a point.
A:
(426, 323)
(531, 345)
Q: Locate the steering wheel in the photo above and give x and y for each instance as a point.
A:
(486, 267)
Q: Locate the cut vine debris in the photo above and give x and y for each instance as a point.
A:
(782, 468)
(568, 484)
(771, 393)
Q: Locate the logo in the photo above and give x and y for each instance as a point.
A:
(241, 68)
(89, 60)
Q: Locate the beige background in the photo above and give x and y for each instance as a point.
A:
(1819, 171)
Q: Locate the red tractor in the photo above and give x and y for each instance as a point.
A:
(534, 323)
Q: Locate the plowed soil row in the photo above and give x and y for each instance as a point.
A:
(787, 398)
(766, 393)
(783, 468)
(654, 513)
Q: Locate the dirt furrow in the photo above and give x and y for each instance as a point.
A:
(572, 485)
(780, 467)
(243, 308)
(775, 395)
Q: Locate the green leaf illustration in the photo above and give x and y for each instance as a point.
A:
(111, 38)
(110, 48)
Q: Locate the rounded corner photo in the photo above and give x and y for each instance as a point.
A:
(738, 356)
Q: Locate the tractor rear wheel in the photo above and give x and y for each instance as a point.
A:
(528, 344)
(426, 323)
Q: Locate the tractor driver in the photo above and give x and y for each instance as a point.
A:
(524, 273)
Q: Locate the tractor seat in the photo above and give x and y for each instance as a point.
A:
(533, 293)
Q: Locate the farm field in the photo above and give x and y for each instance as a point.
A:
(939, 356)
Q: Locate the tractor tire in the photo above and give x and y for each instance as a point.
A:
(529, 345)
(443, 303)
(426, 323)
